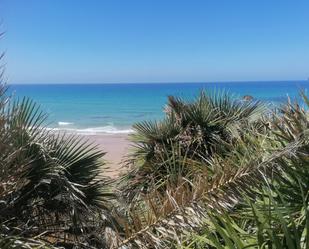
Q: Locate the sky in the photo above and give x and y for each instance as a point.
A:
(122, 41)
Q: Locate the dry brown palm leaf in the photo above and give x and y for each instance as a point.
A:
(161, 219)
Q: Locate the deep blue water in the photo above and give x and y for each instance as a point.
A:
(113, 108)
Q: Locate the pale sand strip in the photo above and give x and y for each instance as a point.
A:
(116, 146)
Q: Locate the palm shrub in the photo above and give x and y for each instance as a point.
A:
(254, 196)
(267, 224)
(159, 218)
(51, 185)
(191, 131)
(205, 126)
(278, 215)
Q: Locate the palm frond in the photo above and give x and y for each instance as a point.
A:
(51, 183)
(212, 124)
(164, 217)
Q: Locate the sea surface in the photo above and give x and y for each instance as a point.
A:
(113, 108)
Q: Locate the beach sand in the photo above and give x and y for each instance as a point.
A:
(116, 146)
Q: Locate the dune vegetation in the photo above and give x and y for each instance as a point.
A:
(221, 173)
(217, 172)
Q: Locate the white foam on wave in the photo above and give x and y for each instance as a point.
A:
(64, 123)
(95, 130)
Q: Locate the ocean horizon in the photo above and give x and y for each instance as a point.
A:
(113, 108)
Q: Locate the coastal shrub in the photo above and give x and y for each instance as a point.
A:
(264, 224)
(212, 124)
(253, 199)
(51, 186)
(278, 216)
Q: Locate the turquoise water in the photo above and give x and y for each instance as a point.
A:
(113, 108)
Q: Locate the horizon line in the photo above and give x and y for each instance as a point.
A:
(160, 82)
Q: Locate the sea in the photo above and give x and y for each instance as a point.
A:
(114, 108)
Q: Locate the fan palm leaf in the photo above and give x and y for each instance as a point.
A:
(267, 167)
(212, 124)
(52, 182)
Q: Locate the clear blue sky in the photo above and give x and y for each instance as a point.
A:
(97, 41)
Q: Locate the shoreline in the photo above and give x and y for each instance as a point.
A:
(116, 147)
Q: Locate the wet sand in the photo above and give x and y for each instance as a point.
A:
(116, 146)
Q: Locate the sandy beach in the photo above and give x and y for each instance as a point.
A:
(116, 146)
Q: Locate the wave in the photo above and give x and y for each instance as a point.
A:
(64, 123)
(109, 129)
